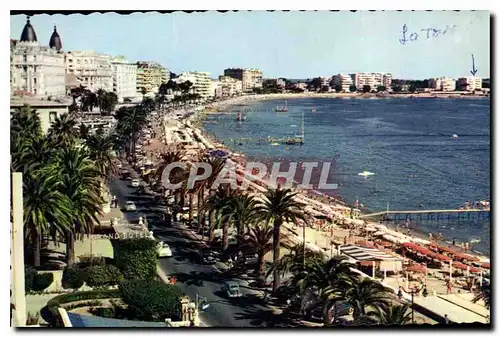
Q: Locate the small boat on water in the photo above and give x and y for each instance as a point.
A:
(454, 136)
(313, 110)
(282, 108)
(366, 173)
(240, 117)
(475, 240)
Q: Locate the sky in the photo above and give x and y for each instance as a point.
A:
(283, 44)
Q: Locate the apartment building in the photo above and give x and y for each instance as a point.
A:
(345, 81)
(37, 70)
(470, 83)
(202, 83)
(374, 80)
(230, 86)
(442, 84)
(150, 75)
(250, 78)
(93, 70)
(124, 78)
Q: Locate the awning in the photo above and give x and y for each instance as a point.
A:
(463, 266)
(416, 268)
(363, 253)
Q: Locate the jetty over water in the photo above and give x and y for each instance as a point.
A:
(432, 213)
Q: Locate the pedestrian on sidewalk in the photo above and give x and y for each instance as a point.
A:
(114, 201)
(448, 287)
(446, 319)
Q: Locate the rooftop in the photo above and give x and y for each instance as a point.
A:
(18, 101)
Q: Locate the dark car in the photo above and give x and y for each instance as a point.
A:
(207, 257)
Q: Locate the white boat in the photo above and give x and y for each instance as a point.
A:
(366, 173)
(454, 136)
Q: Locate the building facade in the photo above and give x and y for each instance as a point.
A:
(124, 78)
(250, 78)
(470, 83)
(150, 75)
(345, 81)
(35, 69)
(47, 111)
(442, 84)
(230, 86)
(374, 80)
(202, 83)
(93, 70)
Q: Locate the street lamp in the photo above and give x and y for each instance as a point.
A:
(412, 292)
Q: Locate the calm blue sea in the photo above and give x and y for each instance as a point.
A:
(407, 143)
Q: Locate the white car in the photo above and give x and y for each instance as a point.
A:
(164, 250)
(130, 206)
(135, 183)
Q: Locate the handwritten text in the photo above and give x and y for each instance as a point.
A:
(427, 33)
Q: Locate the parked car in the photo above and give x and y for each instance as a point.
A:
(164, 250)
(232, 289)
(125, 175)
(130, 206)
(135, 182)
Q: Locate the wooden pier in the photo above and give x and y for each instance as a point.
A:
(433, 213)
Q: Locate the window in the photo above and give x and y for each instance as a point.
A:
(52, 116)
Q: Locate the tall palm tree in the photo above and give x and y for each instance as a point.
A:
(63, 131)
(78, 183)
(101, 153)
(391, 314)
(278, 206)
(259, 239)
(47, 211)
(242, 212)
(130, 122)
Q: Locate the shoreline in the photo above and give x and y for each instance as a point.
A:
(322, 204)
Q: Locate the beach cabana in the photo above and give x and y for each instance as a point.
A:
(384, 260)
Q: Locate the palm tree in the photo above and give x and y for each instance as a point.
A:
(484, 294)
(78, 183)
(100, 152)
(46, 209)
(259, 239)
(25, 122)
(359, 294)
(130, 122)
(63, 131)
(391, 314)
(278, 206)
(242, 212)
(293, 262)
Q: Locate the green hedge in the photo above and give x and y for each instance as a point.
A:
(51, 314)
(34, 281)
(150, 300)
(102, 276)
(136, 258)
(74, 277)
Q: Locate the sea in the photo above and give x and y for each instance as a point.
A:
(425, 153)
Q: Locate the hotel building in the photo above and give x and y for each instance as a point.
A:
(442, 84)
(230, 86)
(34, 69)
(93, 70)
(150, 75)
(250, 78)
(470, 83)
(124, 78)
(202, 83)
(374, 80)
(345, 81)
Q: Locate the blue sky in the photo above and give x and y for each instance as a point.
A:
(283, 44)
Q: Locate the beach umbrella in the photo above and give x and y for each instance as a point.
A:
(416, 268)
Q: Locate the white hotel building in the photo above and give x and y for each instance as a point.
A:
(442, 84)
(470, 83)
(202, 83)
(37, 70)
(345, 81)
(374, 80)
(124, 78)
(93, 70)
